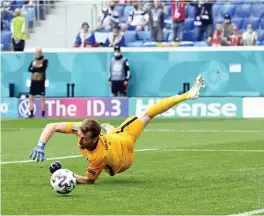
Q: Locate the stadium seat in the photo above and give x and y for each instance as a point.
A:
(127, 11)
(217, 19)
(2, 47)
(130, 36)
(169, 11)
(144, 36)
(260, 35)
(120, 9)
(262, 43)
(253, 20)
(19, 3)
(188, 35)
(228, 9)
(6, 39)
(190, 11)
(216, 10)
(262, 23)
(200, 43)
(135, 44)
(166, 35)
(6, 25)
(101, 37)
(258, 10)
(189, 24)
(243, 10)
(237, 21)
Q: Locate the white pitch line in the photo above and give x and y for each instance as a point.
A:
(143, 150)
(64, 157)
(254, 212)
(172, 130)
(204, 131)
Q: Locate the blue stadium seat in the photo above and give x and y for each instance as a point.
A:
(243, 10)
(253, 20)
(262, 43)
(19, 3)
(188, 35)
(189, 24)
(237, 21)
(166, 35)
(6, 25)
(190, 11)
(217, 19)
(6, 39)
(101, 37)
(260, 35)
(2, 47)
(127, 11)
(200, 43)
(120, 9)
(169, 11)
(258, 10)
(135, 44)
(130, 36)
(262, 23)
(144, 36)
(216, 10)
(228, 9)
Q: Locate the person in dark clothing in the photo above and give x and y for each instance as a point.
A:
(119, 73)
(37, 67)
(203, 19)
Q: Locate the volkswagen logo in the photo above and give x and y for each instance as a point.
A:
(23, 108)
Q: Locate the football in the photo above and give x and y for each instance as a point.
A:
(63, 181)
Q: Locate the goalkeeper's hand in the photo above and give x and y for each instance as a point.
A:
(38, 152)
(55, 166)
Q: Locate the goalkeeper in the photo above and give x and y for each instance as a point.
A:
(112, 152)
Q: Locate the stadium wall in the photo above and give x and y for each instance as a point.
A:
(156, 72)
(235, 107)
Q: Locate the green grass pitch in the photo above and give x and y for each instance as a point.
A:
(196, 167)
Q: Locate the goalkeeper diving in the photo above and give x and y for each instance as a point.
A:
(113, 151)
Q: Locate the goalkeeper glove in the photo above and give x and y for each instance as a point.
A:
(55, 166)
(38, 152)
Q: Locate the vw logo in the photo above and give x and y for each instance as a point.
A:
(23, 108)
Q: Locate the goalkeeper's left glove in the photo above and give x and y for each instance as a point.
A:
(38, 152)
(54, 167)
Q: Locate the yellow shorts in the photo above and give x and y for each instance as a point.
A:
(130, 129)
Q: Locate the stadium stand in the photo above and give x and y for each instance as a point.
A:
(242, 13)
(31, 11)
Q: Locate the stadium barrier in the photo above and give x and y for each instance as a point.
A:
(156, 72)
(235, 107)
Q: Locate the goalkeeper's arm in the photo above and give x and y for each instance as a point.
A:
(50, 129)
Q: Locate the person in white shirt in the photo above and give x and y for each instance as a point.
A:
(109, 18)
(250, 37)
(137, 20)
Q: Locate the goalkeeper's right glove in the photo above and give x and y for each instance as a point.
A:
(54, 167)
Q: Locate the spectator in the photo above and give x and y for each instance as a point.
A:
(249, 37)
(217, 37)
(6, 9)
(85, 38)
(109, 17)
(228, 26)
(137, 20)
(2, 25)
(178, 17)
(203, 19)
(235, 39)
(115, 38)
(156, 20)
(18, 29)
(119, 73)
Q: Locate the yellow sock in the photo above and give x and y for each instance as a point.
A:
(165, 104)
